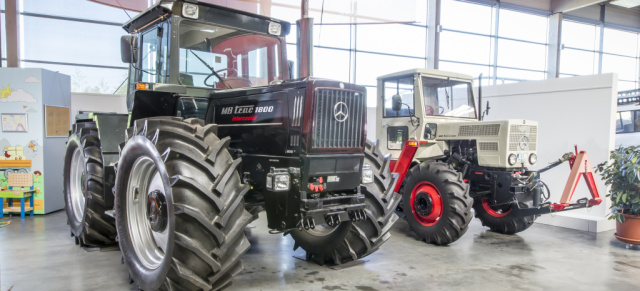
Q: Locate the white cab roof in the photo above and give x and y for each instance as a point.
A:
(429, 72)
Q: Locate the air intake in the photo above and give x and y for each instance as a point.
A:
(479, 130)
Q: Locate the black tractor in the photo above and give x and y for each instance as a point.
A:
(217, 131)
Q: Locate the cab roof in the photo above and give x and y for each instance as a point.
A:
(430, 73)
(163, 8)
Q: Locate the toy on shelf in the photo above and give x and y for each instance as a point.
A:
(13, 160)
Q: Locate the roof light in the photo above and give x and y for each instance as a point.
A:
(275, 28)
(142, 86)
(190, 11)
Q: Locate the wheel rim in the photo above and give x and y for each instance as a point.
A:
(495, 211)
(76, 184)
(145, 183)
(426, 204)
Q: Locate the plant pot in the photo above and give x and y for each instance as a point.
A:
(629, 231)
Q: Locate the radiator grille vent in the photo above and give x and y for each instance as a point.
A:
(479, 130)
(488, 146)
(297, 111)
(294, 140)
(523, 137)
(338, 119)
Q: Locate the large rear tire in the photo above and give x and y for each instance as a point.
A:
(436, 201)
(179, 206)
(501, 219)
(351, 241)
(83, 187)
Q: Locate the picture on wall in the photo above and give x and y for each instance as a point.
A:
(14, 122)
(56, 121)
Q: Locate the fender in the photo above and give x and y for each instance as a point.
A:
(405, 160)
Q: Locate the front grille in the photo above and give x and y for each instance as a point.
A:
(479, 130)
(488, 146)
(330, 128)
(516, 134)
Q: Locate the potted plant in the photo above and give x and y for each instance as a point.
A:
(622, 174)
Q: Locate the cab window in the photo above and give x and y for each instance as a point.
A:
(402, 87)
(154, 55)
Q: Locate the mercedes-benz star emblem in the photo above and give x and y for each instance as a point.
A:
(341, 111)
(524, 143)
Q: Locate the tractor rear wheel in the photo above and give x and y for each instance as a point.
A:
(351, 241)
(501, 219)
(437, 204)
(83, 187)
(179, 206)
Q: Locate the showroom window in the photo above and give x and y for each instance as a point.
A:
(75, 37)
(466, 40)
(620, 55)
(580, 46)
(581, 52)
(522, 46)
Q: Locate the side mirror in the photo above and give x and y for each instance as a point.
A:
(396, 102)
(487, 110)
(129, 49)
(291, 65)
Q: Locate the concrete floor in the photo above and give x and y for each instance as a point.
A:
(39, 254)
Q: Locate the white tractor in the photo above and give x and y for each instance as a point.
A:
(450, 161)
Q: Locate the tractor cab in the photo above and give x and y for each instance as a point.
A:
(198, 48)
(416, 101)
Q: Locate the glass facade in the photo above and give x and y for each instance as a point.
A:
(353, 43)
(584, 53)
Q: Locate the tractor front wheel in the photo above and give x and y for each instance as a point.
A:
(179, 206)
(500, 219)
(349, 240)
(436, 202)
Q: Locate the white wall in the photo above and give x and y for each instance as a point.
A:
(97, 103)
(570, 111)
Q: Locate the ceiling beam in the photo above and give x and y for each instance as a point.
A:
(568, 5)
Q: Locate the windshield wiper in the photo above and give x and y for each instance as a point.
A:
(212, 70)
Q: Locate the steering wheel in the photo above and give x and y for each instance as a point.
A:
(428, 110)
(218, 72)
(441, 110)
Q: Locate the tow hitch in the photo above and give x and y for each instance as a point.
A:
(580, 165)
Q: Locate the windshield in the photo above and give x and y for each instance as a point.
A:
(448, 98)
(221, 57)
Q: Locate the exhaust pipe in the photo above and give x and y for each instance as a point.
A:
(305, 42)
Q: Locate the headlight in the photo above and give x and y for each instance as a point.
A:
(278, 180)
(367, 174)
(533, 158)
(190, 11)
(512, 159)
(282, 183)
(275, 28)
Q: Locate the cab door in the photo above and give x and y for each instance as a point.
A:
(395, 127)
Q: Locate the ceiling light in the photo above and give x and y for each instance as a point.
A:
(626, 3)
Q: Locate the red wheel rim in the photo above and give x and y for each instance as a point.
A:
(494, 212)
(426, 203)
